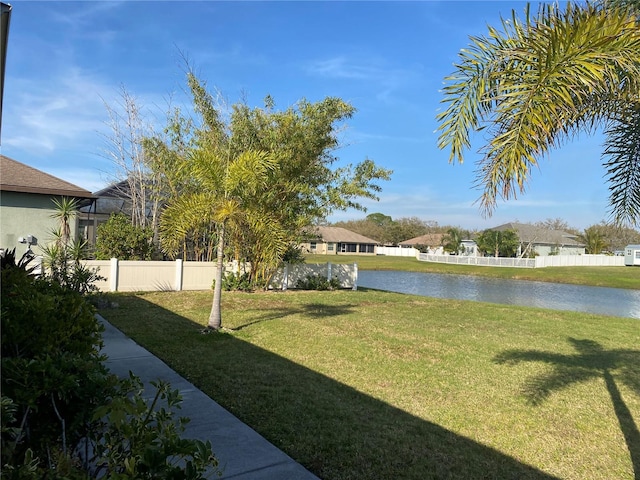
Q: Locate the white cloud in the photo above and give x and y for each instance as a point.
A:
(43, 116)
(378, 74)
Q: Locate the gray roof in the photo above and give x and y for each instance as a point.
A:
(533, 234)
(339, 235)
(18, 177)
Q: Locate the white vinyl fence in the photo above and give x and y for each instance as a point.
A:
(397, 251)
(145, 276)
(580, 261)
(537, 262)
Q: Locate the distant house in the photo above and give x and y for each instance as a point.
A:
(336, 240)
(543, 241)
(26, 204)
(433, 242)
(116, 198)
(632, 255)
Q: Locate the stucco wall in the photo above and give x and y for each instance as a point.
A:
(23, 214)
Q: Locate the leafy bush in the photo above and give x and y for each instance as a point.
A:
(52, 373)
(142, 440)
(422, 248)
(236, 281)
(118, 238)
(63, 266)
(317, 282)
(63, 415)
(293, 255)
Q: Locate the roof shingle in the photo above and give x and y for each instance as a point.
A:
(538, 235)
(340, 235)
(18, 177)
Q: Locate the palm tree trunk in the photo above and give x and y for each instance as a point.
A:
(215, 317)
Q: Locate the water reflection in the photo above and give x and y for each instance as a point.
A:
(608, 301)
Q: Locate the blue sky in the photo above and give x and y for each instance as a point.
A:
(388, 59)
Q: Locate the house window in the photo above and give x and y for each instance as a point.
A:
(331, 246)
(366, 248)
(637, 254)
(313, 246)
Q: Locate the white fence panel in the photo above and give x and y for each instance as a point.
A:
(579, 261)
(145, 276)
(486, 261)
(538, 262)
(103, 268)
(198, 275)
(397, 251)
(288, 277)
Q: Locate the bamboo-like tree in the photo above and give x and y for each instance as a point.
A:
(257, 177)
(537, 82)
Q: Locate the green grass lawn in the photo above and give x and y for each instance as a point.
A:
(615, 277)
(377, 385)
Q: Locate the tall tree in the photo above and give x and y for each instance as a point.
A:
(124, 147)
(556, 224)
(536, 83)
(258, 178)
(499, 243)
(380, 219)
(617, 237)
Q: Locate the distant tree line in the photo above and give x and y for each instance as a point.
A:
(599, 238)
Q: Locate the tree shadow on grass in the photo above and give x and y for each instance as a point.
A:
(314, 310)
(332, 429)
(591, 361)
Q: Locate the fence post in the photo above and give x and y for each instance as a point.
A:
(354, 277)
(328, 271)
(113, 277)
(179, 274)
(285, 277)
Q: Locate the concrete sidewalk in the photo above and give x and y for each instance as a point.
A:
(243, 454)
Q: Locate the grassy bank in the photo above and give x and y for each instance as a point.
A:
(369, 384)
(615, 277)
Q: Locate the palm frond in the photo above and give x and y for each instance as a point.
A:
(185, 215)
(622, 149)
(534, 86)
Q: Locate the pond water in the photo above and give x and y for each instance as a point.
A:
(608, 301)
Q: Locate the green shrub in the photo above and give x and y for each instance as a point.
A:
(118, 238)
(317, 282)
(293, 255)
(63, 415)
(52, 372)
(142, 440)
(236, 281)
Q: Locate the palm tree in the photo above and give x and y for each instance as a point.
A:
(591, 362)
(453, 241)
(224, 199)
(536, 83)
(594, 240)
